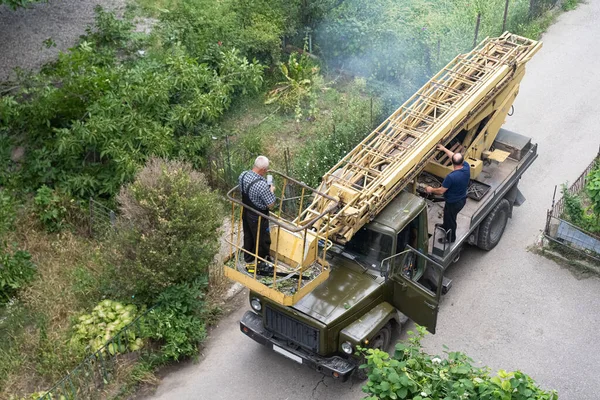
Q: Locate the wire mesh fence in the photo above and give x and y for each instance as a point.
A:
(94, 374)
(102, 218)
(563, 232)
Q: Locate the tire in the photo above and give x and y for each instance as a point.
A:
(493, 226)
(380, 341)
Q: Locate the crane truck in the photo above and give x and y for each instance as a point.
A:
(354, 258)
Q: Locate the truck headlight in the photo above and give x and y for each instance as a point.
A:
(255, 304)
(347, 347)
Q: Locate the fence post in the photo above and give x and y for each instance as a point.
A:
(91, 218)
(371, 112)
(229, 173)
(477, 29)
(505, 16)
(532, 9)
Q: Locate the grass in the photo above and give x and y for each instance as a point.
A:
(570, 5)
(38, 323)
(265, 128)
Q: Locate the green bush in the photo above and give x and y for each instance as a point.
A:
(413, 374)
(93, 118)
(300, 88)
(592, 188)
(179, 322)
(255, 27)
(578, 213)
(16, 268)
(50, 209)
(166, 231)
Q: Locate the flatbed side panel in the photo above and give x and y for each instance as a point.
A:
(501, 178)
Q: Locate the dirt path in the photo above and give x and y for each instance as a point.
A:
(22, 32)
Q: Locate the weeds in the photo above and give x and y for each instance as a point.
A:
(569, 5)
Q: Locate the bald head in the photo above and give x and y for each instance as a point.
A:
(457, 159)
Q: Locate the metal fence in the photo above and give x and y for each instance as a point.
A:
(565, 233)
(94, 374)
(102, 218)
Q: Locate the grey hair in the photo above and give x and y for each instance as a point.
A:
(261, 162)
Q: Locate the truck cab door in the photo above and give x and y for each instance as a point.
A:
(410, 297)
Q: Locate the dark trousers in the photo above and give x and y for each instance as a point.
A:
(250, 223)
(451, 210)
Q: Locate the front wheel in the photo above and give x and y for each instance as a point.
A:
(493, 226)
(380, 341)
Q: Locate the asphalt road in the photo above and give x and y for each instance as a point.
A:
(22, 32)
(508, 308)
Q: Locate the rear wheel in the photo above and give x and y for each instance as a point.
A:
(380, 341)
(493, 226)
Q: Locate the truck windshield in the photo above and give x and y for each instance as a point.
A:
(370, 246)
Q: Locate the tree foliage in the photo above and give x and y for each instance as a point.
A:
(100, 111)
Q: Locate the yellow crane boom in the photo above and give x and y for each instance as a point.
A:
(368, 177)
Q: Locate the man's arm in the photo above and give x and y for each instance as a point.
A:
(438, 191)
(270, 206)
(268, 196)
(445, 150)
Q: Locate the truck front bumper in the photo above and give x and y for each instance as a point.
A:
(337, 367)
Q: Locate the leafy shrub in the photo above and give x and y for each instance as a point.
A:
(178, 323)
(94, 117)
(7, 213)
(413, 374)
(569, 5)
(577, 213)
(300, 89)
(166, 233)
(14, 4)
(255, 27)
(107, 319)
(16, 268)
(592, 188)
(49, 209)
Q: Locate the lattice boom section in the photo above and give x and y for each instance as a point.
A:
(386, 160)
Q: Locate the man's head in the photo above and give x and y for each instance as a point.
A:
(457, 160)
(261, 165)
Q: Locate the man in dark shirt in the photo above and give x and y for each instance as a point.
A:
(257, 195)
(454, 188)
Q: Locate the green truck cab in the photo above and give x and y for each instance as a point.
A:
(393, 268)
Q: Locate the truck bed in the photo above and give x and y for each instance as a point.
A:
(500, 177)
